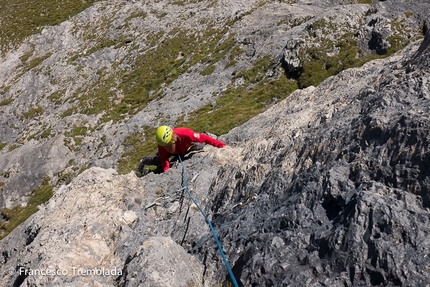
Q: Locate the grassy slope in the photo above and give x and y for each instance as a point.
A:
(18, 20)
(22, 18)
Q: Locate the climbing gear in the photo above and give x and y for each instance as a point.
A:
(251, 197)
(164, 135)
(184, 183)
(156, 202)
(146, 207)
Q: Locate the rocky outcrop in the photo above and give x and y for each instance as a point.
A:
(341, 173)
(340, 182)
(103, 229)
(58, 87)
(82, 238)
(329, 187)
(64, 238)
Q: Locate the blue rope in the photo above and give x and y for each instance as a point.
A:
(184, 178)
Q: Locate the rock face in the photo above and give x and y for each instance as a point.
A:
(341, 173)
(58, 87)
(341, 184)
(74, 239)
(329, 187)
(100, 231)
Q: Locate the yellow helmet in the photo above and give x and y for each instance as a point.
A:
(164, 135)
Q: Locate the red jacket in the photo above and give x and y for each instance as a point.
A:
(184, 138)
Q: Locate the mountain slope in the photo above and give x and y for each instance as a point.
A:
(88, 91)
(340, 178)
(342, 173)
(338, 170)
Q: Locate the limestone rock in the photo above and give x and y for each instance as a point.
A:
(72, 240)
(43, 107)
(329, 187)
(341, 175)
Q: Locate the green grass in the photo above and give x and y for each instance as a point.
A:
(6, 102)
(56, 97)
(46, 133)
(26, 56)
(174, 54)
(70, 172)
(18, 214)
(238, 104)
(13, 147)
(22, 18)
(209, 70)
(77, 133)
(28, 65)
(33, 112)
(401, 36)
(318, 66)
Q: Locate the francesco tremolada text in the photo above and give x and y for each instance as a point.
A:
(73, 271)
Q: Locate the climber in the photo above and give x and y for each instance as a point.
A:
(177, 141)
